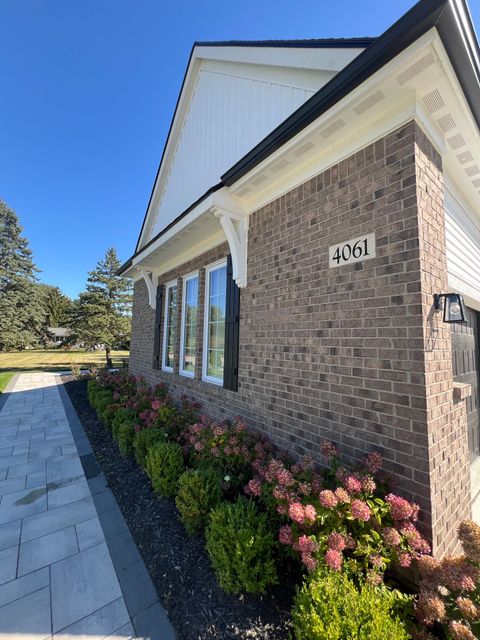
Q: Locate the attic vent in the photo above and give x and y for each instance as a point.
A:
(415, 69)
(464, 157)
(333, 128)
(259, 179)
(456, 141)
(476, 183)
(303, 148)
(433, 101)
(446, 123)
(369, 102)
(473, 170)
(278, 166)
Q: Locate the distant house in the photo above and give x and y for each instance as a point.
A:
(313, 199)
(58, 335)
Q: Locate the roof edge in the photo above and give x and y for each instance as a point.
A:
(126, 265)
(308, 43)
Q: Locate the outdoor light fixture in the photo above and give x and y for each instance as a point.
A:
(453, 306)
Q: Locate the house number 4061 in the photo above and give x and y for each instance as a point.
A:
(355, 250)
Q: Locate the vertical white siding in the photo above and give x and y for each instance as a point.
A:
(463, 246)
(227, 116)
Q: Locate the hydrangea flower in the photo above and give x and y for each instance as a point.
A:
(360, 510)
(334, 559)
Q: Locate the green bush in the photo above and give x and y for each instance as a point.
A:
(144, 439)
(107, 414)
(121, 417)
(164, 467)
(240, 545)
(330, 607)
(92, 390)
(125, 438)
(198, 492)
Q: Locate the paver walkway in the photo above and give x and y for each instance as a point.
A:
(68, 566)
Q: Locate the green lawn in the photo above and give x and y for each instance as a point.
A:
(4, 379)
(54, 360)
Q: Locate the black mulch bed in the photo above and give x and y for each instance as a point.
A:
(177, 562)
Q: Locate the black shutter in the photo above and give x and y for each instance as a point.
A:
(157, 327)
(232, 323)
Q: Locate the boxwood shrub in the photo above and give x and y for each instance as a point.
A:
(144, 439)
(198, 491)
(164, 467)
(241, 547)
(329, 606)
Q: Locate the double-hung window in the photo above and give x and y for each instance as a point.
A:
(169, 333)
(188, 339)
(214, 330)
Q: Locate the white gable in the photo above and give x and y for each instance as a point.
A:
(231, 100)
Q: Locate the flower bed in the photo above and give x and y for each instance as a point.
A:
(267, 517)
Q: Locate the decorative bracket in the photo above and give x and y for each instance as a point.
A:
(151, 280)
(235, 227)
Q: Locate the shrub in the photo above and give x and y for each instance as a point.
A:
(164, 467)
(330, 607)
(126, 438)
(349, 526)
(240, 546)
(450, 588)
(229, 448)
(122, 416)
(198, 491)
(144, 439)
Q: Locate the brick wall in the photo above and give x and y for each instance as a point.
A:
(352, 354)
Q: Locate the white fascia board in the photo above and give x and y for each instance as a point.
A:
(317, 58)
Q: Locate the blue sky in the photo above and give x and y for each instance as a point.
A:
(88, 88)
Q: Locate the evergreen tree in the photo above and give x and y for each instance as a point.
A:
(57, 306)
(102, 314)
(21, 310)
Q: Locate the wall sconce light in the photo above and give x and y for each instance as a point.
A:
(453, 306)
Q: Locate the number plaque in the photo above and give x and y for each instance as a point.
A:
(356, 250)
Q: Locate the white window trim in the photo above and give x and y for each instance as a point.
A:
(185, 279)
(212, 267)
(168, 286)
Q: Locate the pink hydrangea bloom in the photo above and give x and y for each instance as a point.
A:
(391, 537)
(368, 485)
(296, 512)
(352, 484)
(401, 509)
(342, 495)
(310, 513)
(328, 499)
(285, 535)
(328, 450)
(374, 462)
(404, 559)
(336, 541)
(360, 510)
(255, 487)
(306, 545)
(156, 404)
(309, 562)
(430, 608)
(460, 631)
(334, 559)
(415, 539)
(284, 478)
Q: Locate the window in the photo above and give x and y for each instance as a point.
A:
(188, 340)
(214, 333)
(170, 326)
